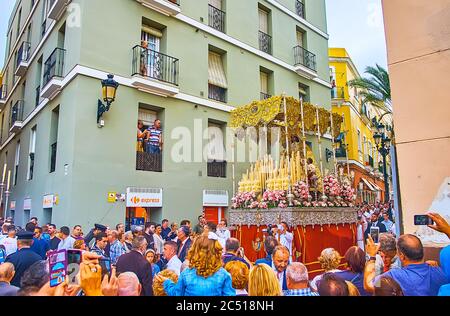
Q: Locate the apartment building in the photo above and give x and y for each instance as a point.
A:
(184, 62)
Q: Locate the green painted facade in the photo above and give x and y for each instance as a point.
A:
(93, 161)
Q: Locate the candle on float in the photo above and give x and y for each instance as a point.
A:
(4, 173)
(9, 179)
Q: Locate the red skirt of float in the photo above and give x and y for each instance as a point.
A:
(314, 230)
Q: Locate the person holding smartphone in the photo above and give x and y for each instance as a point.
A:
(374, 222)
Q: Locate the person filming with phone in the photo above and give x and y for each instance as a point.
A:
(374, 222)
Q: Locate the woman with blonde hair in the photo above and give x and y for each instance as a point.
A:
(205, 275)
(158, 288)
(263, 281)
(239, 275)
(330, 260)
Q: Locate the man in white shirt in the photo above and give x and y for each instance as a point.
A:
(10, 242)
(223, 233)
(390, 226)
(280, 261)
(170, 253)
(284, 237)
(67, 241)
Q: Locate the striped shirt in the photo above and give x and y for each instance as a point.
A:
(155, 135)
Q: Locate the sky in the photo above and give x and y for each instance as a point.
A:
(356, 25)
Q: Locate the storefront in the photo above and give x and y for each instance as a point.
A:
(215, 202)
(142, 205)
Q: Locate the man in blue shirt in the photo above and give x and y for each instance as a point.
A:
(165, 230)
(416, 278)
(40, 246)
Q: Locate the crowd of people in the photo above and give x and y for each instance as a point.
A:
(204, 260)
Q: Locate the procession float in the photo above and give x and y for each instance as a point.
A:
(294, 187)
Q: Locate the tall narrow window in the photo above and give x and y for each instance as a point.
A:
(38, 82)
(264, 78)
(216, 15)
(265, 40)
(29, 33)
(1, 128)
(359, 142)
(303, 92)
(32, 152)
(300, 39)
(151, 57)
(217, 166)
(19, 17)
(217, 80)
(62, 36)
(54, 138)
(16, 162)
(10, 42)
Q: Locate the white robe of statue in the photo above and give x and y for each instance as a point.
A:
(440, 205)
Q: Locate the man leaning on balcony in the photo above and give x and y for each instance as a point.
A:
(155, 141)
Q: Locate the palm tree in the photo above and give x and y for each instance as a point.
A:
(376, 89)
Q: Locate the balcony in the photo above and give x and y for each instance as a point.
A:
(341, 152)
(57, 8)
(217, 169)
(3, 94)
(264, 96)
(217, 93)
(300, 9)
(16, 118)
(148, 162)
(338, 93)
(371, 164)
(23, 55)
(53, 74)
(265, 43)
(304, 58)
(155, 72)
(166, 7)
(216, 19)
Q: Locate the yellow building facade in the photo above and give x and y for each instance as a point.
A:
(357, 151)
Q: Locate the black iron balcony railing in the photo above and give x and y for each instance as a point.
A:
(265, 42)
(54, 65)
(43, 28)
(38, 96)
(3, 94)
(217, 169)
(23, 54)
(217, 93)
(217, 18)
(337, 93)
(148, 162)
(16, 113)
(305, 58)
(53, 157)
(155, 65)
(265, 96)
(300, 8)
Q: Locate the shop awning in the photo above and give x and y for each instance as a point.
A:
(367, 183)
(376, 186)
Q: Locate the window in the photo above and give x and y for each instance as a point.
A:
(217, 80)
(300, 38)
(38, 82)
(366, 158)
(217, 165)
(18, 22)
(303, 92)
(216, 15)
(54, 138)
(29, 33)
(265, 40)
(1, 128)
(264, 78)
(148, 158)
(16, 163)
(151, 43)
(10, 42)
(359, 144)
(31, 158)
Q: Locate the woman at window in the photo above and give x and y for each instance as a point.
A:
(141, 136)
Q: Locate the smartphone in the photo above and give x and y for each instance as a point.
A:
(73, 265)
(57, 261)
(423, 220)
(375, 234)
(105, 263)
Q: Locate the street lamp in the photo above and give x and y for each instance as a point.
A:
(383, 144)
(109, 89)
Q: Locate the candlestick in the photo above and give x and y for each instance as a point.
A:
(320, 150)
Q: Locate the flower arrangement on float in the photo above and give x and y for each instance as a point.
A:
(336, 195)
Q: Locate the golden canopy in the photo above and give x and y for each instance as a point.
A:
(270, 113)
